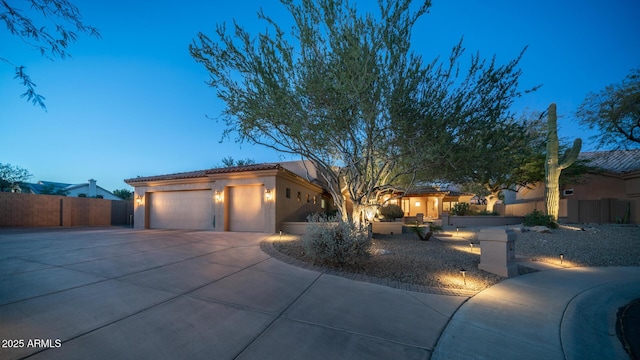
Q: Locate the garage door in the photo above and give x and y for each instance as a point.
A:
(245, 208)
(181, 210)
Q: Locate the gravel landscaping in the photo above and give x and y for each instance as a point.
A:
(439, 262)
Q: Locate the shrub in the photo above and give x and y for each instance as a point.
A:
(336, 243)
(538, 218)
(391, 212)
(460, 209)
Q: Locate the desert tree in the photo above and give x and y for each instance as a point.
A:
(615, 113)
(229, 161)
(345, 90)
(47, 26)
(123, 194)
(11, 176)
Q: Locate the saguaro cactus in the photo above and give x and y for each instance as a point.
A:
(552, 167)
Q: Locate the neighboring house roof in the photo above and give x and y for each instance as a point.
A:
(614, 161)
(48, 187)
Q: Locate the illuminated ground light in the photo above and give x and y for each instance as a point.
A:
(560, 260)
(455, 280)
(461, 233)
(467, 249)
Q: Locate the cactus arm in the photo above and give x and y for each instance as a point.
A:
(572, 155)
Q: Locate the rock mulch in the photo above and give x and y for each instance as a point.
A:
(450, 263)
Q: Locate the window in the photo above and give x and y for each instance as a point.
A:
(567, 192)
(315, 199)
(308, 200)
(288, 191)
(299, 196)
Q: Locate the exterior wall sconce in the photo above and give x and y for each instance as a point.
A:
(268, 194)
(417, 203)
(139, 199)
(218, 195)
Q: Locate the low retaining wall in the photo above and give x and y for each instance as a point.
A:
(487, 220)
(387, 227)
(299, 228)
(293, 227)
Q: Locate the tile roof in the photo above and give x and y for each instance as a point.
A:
(204, 173)
(614, 161)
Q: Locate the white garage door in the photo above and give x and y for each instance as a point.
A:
(181, 210)
(245, 208)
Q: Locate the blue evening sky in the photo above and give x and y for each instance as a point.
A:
(135, 103)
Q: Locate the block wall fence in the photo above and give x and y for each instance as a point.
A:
(30, 210)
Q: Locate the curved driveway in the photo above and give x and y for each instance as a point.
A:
(118, 293)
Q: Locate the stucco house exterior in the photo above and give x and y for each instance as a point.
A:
(603, 196)
(253, 198)
(430, 201)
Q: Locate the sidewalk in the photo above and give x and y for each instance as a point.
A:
(555, 314)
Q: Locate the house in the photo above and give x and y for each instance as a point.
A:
(605, 195)
(430, 201)
(257, 197)
(89, 189)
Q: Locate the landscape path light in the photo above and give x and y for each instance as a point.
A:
(561, 258)
(464, 276)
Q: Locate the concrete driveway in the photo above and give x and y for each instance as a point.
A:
(119, 293)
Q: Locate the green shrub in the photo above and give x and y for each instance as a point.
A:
(538, 218)
(391, 212)
(460, 209)
(434, 228)
(335, 242)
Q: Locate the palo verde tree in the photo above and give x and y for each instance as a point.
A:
(344, 90)
(615, 112)
(47, 26)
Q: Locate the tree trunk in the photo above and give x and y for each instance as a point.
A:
(492, 199)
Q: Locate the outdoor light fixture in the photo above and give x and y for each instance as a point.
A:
(561, 258)
(218, 195)
(139, 199)
(267, 194)
(417, 203)
(457, 231)
(471, 246)
(464, 276)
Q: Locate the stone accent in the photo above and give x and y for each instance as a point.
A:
(498, 251)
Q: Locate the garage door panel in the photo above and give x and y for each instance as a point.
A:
(181, 210)
(246, 212)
